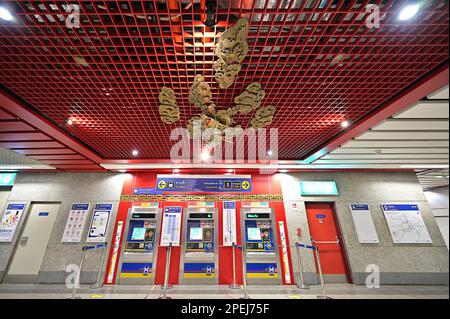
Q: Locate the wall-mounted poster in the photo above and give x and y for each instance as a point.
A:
(9, 222)
(406, 224)
(99, 223)
(229, 223)
(171, 227)
(365, 228)
(75, 223)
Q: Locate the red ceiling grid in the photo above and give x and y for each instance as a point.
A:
(317, 61)
(27, 140)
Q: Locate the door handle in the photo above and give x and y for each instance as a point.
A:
(326, 242)
(23, 241)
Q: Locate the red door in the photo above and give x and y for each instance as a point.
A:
(323, 228)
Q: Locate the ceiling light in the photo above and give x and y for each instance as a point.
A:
(269, 153)
(122, 170)
(409, 12)
(176, 171)
(283, 171)
(345, 124)
(5, 14)
(68, 121)
(205, 155)
(135, 152)
(230, 170)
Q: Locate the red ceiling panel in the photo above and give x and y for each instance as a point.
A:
(45, 151)
(63, 161)
(316, 60)
(57, 157)
(14, 126)
(5, 116)
(18, 145)
(23, 137)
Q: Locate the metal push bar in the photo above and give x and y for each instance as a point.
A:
(98, 283)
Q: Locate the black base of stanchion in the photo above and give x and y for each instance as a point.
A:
(164, 298)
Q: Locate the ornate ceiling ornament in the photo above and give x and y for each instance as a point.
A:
(168, 109)
(231, 50)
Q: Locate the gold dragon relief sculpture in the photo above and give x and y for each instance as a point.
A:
(168, 109)
(231, 50)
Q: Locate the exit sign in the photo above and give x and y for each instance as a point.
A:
(7, 179)
(319, 188)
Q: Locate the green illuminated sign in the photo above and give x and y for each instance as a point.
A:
(7, 179)
(319, 188)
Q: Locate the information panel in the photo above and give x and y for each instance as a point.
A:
(75, 223)
(9, 222)
(204, 184)
(99, 223)
(365, 228)
(171, 226)
(229, 223)
(406, 224)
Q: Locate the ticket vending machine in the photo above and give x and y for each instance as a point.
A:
(140, 247)
(260, 238)
(199, 257)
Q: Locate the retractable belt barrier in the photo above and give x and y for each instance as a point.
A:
(99, 283)
(316, 255)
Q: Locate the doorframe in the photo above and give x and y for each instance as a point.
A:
(23, 223)
(349, 272)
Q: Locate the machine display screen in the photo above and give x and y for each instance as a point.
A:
(253, 233)
(138, 233)
(196, 233)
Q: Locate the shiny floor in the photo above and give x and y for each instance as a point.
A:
(335, 291)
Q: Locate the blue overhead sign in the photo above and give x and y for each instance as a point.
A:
(203, 184)
(7, 179)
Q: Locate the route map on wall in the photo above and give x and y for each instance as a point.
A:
(406, 224)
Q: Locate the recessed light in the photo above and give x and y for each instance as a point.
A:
(135, 152)
(283, 171)
(269, 153)
(409, 12)
(122, 170)
(5, 14)
(230, 170)
(345, 124)
(68, 121)
(176, 170)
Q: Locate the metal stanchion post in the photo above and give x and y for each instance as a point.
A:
(301, 284)
(324, 296)
(78, 276)
(244, 273)
(166, 275)
(99, 283)
(234, 285)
